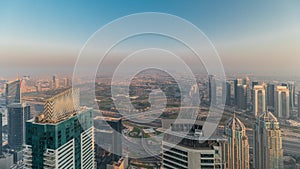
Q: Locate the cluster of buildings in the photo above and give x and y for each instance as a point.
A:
(187, 147)
(17, 113)
(64, 134)
(245, 95)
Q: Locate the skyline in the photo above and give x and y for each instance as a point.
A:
(256, 38)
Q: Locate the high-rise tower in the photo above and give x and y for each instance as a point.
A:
(1, 134)
(282, 102)
(267, 142)
(259, 100)
(291, 86)
(299, 104)
(61, 137)
(212, 90)
(241, 97)
(18, 114)
(237, 146)
(271, 96)
(13, 92)
(192, 150)
(226, 92)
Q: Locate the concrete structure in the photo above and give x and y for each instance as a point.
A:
(267, 143)
(259, 100)
(56, 141)
(18, 114)
(282, 102)
(6, 161)
(237, 146)
(192, 150)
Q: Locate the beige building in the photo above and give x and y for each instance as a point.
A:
(237, 147)
(282, 102)
(259, 100)
(267, 143)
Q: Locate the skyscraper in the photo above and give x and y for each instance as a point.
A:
(13, 92)
(67, 82)
(282, 102)
(241, 97)
(291, 87)
(212, 90)
(299, 104)
(237, 146)
(1, 134)
(226, 92)
(267, 142)
(192, 150)
(271, 96)
(252, 93)
(237, 82)
(18, 114)
(53, 81)
(108, 135)
(259, 100)
(62, 136)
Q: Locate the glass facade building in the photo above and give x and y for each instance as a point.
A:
(18, 114)
(66, 144)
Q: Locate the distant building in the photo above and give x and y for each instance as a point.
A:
(292, 94)
(108, 135)
(237, 146)
(18, 114)
(267, 142)
(226, 92)
(121, 164)
(1, 140)
(39, 86)
(62, 137)
(241, 97)
(237, 82)
(271, 96)
(212, 87)
(13, 92)
(192, 150)
(282, 102)
(259, 100)
(67, 82)
(299, 104)
(53, 82)
(57, 84)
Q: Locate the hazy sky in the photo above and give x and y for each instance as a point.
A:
(260, 37)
